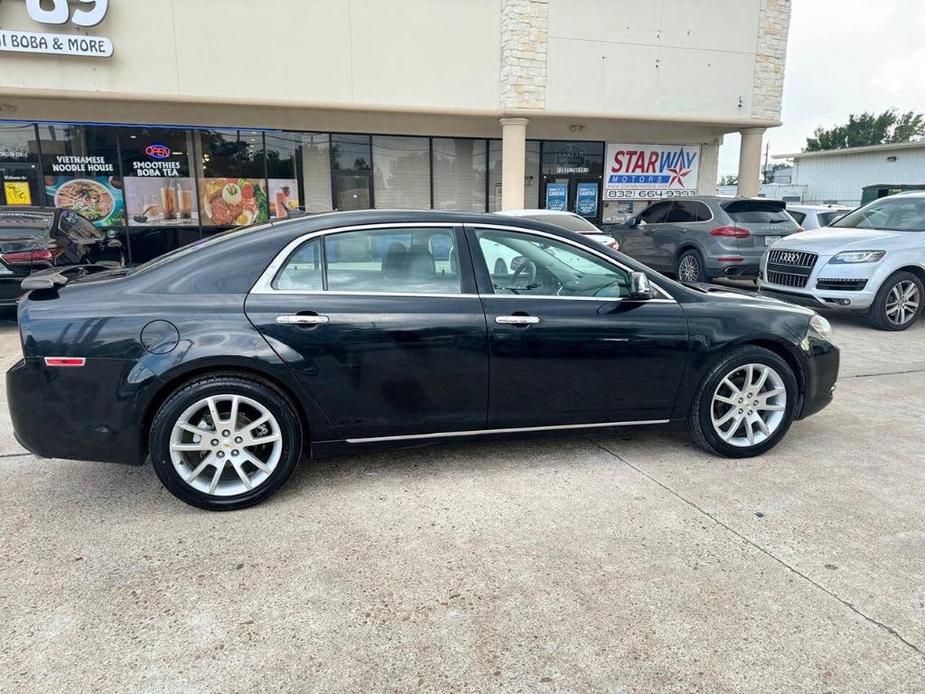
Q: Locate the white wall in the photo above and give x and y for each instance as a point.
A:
(840, 178)
(683, 58)
(431, 53)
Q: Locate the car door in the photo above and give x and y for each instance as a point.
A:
(382, 326)
(639, 240)
(567, 344)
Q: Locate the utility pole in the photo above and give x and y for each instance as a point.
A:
(767, 148)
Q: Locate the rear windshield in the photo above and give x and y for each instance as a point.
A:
(17, 225)
(567, 221)
(892, 214)
(757, 212)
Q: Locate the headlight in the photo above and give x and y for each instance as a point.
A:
(822, 327)
(857, 257)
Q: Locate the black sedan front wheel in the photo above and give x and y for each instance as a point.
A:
(225, 442)
(745, 404)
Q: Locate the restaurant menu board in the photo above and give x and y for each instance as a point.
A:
(98, 198)
(233, 201)
(284, 196)
(159, 202)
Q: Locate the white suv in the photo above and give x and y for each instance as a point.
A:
(872, 259)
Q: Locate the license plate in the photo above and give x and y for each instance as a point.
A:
(768, 240)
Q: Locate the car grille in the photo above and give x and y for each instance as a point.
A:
(790, 268)
(841, 284)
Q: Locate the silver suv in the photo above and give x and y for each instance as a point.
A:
(699, 238)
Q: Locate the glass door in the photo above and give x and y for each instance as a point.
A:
(19, 184)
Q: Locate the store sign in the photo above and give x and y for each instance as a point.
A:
(586, 199)
(570, 160)
(88, 14)
(82, 165)
(641, 172)
(556, 196)
(159, 162)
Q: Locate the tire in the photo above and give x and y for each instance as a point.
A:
(888, 307)
(179, 455)
(776, 411)
(690, 267)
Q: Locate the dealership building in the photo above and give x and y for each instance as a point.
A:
(165, 121)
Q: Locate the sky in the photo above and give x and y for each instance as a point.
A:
(844, 56)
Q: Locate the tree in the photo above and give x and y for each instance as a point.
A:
(868, 129)
(729, 180)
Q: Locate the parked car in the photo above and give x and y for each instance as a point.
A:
(568, 220)
(872, 259)
(38, 238)
(222, 361)
(816, 216)
(700, 238)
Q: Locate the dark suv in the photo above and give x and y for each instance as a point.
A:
(37, 238)
(699, 238)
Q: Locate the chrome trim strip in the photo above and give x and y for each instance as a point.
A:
(264, 282)
(513, 430)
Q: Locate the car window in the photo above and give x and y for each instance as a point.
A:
(17, 225)
(525, 264)
(826, 218)
(893, 214)
(419, 261)
(698, 211)
(798, 217)
(655, 213)
(302, 271)
(757, 212)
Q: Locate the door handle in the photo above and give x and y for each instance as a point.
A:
(302, 320)
(517, 320)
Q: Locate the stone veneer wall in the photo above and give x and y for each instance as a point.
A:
(524, 39)
(770, 58)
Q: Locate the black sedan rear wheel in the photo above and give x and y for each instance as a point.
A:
(745, 404)
(225, 442)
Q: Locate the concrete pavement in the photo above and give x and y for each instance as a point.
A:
(616, 561)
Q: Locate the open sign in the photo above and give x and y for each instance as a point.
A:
(158, 151)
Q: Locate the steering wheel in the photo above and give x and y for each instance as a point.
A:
(527, 267)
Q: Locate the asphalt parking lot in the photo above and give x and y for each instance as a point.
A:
(614, 561)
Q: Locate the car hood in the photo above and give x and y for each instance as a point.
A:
(837, 239)
(743, 297)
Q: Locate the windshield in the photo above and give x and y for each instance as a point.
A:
(891, 214)
(567, 221)
(826, 218)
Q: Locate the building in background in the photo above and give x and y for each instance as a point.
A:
(164, 121)
(842, 175)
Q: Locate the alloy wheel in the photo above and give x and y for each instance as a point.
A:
(902, 303)
(749, 405)
(689, 269)
(224, 445)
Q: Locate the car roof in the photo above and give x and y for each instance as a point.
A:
(908, 194)
(817, 208)
(535, 213)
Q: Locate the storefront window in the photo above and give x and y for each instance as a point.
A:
(316, 172)
(280, 154)
(402, 172)
(232, 187)
(350, 156)
(19, 171)
(82, 173)
(531, 175)
(160, 189)
(564, 158)
(460, 168)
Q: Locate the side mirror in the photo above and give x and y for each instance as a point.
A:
(633, 222)
(640, 288)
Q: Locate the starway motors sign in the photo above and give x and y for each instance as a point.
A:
(642, 172)
(89, 14)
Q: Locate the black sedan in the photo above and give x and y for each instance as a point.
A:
(223, 361)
